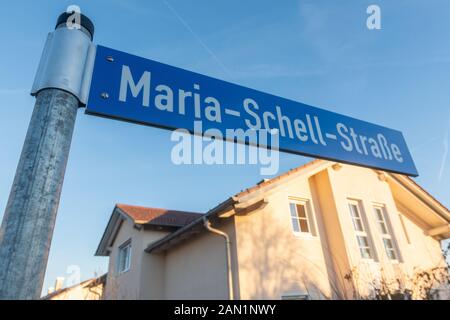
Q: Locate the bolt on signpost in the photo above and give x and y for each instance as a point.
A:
(60, 88)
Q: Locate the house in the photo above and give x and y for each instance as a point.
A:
(91, 289)
(324, 230)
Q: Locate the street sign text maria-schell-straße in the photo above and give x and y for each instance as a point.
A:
(134, 89)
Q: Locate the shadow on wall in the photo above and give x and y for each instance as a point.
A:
(275, 263)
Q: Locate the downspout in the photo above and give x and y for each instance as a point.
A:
(207, 224)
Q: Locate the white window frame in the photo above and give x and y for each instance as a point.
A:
(124, 248)
(385, 235)
(309, 217)
(363, 232)
(295, 296)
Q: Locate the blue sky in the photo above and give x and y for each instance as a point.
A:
(316, 52)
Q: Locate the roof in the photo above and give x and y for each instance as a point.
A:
(85, 284)
(158, 216)
(143, 216)
(192, 228)
(197, 225)
(267, 182)
(186, 224)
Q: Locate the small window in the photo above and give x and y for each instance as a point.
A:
(389, 249)
(356, 217)
(380, 220)
(384, 230)
(124, 257)
(362, 237)
(301, 218)
(295, 297)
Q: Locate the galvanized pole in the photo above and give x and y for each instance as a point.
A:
(27, 227)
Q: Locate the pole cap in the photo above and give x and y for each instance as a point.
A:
(85, 22)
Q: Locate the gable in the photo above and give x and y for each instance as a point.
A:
(420, 207)
(142, 217)
(437, 215)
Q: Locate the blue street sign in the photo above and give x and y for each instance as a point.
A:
(131, 88)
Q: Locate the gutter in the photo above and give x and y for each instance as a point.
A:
(207, 225)
(226, 209)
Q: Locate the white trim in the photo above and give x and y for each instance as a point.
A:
(310, 218)
(364, 225)
(389, 235)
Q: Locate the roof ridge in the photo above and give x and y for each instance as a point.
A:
(156, 208)
(258, 186)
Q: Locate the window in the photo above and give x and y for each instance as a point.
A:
(301, 218)
(295, 297)
(361, 234)
(124, 257)
(386, 236)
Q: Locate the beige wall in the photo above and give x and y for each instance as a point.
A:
(272, 260)
(335, 248)
(351, 182)
(152, 270)
(197, 269)
(144, 279)
(420, 250)
(194, 270)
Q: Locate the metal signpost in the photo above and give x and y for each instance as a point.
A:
(73, 72)
(60, 88)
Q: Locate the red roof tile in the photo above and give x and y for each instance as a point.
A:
(157, 216)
